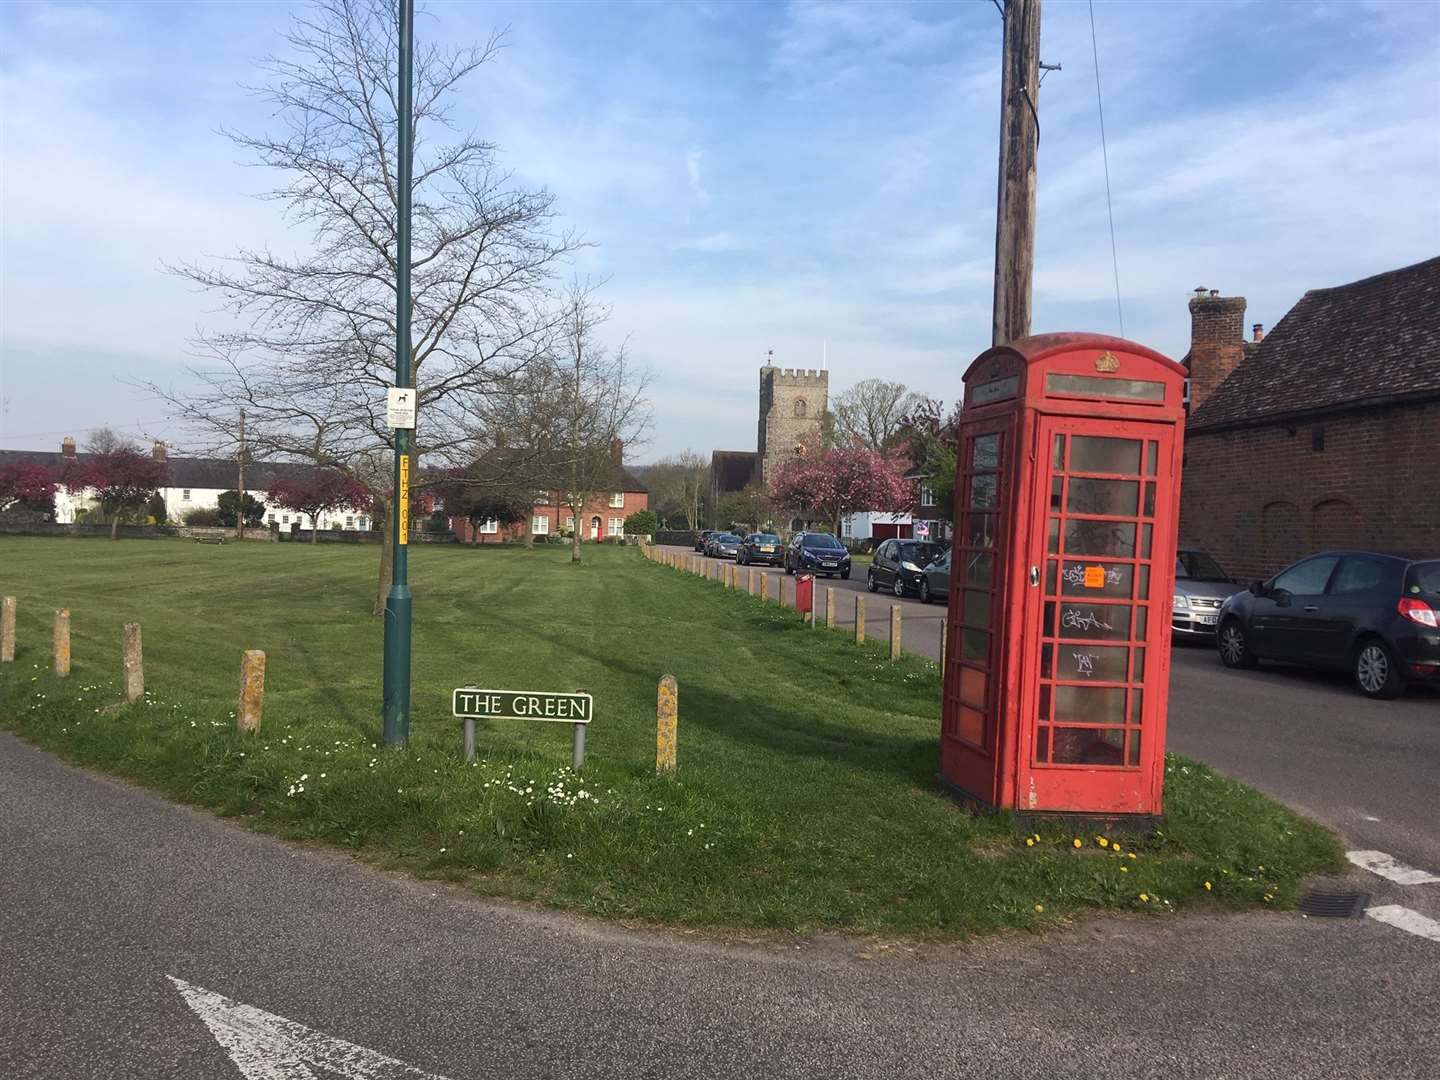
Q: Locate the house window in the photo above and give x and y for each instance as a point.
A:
(489, 527)
(617, 500)
(617, 527)
(570, 521)
(800, 407)
(285, 520)
(364, 524)
(350, 521)
(927, 495)
(271, 519)
(540, 524)
(185, 495)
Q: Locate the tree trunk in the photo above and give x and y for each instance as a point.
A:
(115, 526)
(575, 536)
(530, 532)
(314, 528)
(387, 566)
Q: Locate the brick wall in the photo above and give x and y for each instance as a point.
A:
(1259, 498)
(601, 508)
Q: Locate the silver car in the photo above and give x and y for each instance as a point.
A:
(1200, 588)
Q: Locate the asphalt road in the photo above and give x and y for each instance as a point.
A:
(106, 892)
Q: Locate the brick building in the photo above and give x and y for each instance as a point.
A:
(793, 403)
(1324, 433)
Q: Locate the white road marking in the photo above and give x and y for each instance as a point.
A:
(1377, 862)
(264, 1046)
(1368, 817)
(1405, 919)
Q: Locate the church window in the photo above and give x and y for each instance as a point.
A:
(800, 406)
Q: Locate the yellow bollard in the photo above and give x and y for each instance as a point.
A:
(62, 643)
(860, 620)
(894, 631)
(667, 719)
(252, 691)
(133, 662)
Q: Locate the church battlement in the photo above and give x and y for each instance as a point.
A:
(795, 376)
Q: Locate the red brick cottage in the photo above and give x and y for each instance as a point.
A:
(603, 517)
(1323, 434)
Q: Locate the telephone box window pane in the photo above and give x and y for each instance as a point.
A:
(979, 568)
(1086, 746)
(980, 530)
(1097, 579)
(972, 687)
(1099, 454)
(1042, 745)
(1134, 751)
(1135, 706)
(983, 490)
(1047, 658)
(1150, 498)
(977, 609)
(1056, 485)
(1099, 622)
(1048, 629)
(1054, 543)
(1052, 567)
(1044, 701)
(1143, 591)
(1152, 453)
(1097, 386)
(987, 452)
(1083, 537)
(1115, 498)
(975, 645)
(1102, 663)
(972, 725)
(1059, 457)
(1090, 704)
(1140, 622)
(1139, 668)
(1145, 534)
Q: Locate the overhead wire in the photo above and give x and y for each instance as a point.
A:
(1105, 157)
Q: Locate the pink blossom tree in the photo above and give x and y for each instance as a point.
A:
(837, 482)
(28, 486)
(123, 481)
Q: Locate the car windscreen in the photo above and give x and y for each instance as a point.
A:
(1423, 578)
(1198, 566)
(725, 538)
(821, 542)
(920, 554)
(765, 538)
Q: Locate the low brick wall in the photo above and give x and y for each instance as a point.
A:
(129, 532)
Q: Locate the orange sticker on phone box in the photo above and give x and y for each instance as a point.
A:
(1094, 577)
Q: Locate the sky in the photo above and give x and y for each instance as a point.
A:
(816, 179)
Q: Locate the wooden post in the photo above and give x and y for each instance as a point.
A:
(252, 691)
(894, 631)
(830, 607)
(860, 619)
(1019, 142)
(944, 637)
(7, 629)
(764, 588)
(62, 643)
(667, 719)
(133, 661)
(750, 582)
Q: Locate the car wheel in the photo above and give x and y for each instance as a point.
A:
(1377, 675)
(898, 586)
(845, 576)
(1234, 651)
(870, 581)
(924, 590)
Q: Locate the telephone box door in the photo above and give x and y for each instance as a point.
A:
(1090, 737)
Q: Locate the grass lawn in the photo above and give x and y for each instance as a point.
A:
(805, 797)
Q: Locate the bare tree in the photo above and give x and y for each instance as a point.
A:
(679, 484)
(870, 413)
(107, 441)
(310, 354)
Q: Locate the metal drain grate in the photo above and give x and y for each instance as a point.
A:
(1328, 904)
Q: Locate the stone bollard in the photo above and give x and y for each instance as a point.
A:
(830, 607)
(894, 631)
(133, 661)
(62, 643)
(667, 719)
(252, 691)
(765, 588)
(860, 620)
(7, 629)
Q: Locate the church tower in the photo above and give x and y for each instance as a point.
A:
(793, 403)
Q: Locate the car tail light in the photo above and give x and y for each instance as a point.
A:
(1418, 611)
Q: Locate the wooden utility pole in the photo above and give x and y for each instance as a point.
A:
(1019, 143)
(240, 514)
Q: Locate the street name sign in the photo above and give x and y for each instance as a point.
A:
(472, 703)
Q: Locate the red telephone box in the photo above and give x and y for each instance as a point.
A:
(1067, 500)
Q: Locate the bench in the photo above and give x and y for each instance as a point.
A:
(208, 539)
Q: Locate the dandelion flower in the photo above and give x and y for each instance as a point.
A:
(1102, 841)
(1077, 842)
(1029, 841)
(1124, 869)
(1132, 854)
(1207, 886)
(1039, 908)
(1144, 898)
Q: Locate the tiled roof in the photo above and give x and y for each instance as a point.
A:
(733, 470)
(498, 460)
(1372, 341)
(195, 473)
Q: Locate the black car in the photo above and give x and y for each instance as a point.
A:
(722, 545)
(1372, 614)
(701, 537)
(761, 548)
(899, 565)
(817, 553)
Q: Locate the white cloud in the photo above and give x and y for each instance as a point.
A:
(692, 170)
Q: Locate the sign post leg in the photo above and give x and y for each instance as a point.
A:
(579, 760)
(469, 739)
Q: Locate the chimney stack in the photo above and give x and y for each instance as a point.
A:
(1217, 341)
(67, 447)
(158, 451)
(617, 451)
(1258, 330)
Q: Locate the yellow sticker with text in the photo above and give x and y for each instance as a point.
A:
(404, 515)
(1094, 577)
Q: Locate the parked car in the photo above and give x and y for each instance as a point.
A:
(1372, 614)
(935, 579)
(899, 565)
(817, 553)
(1200, 588)
(761, 548)
(722, 545)
(700, 539)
